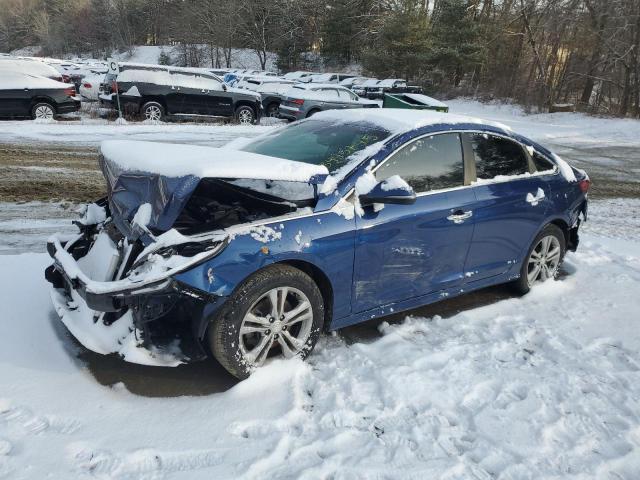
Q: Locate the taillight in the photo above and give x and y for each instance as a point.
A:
(70, 92)
(114, 87)
(297, 101)
(584, 185)
(86, 85)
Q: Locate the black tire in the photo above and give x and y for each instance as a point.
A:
(153, 111)
(224, 333)
(523, 285)
(37, 111)
(245, 115)
(312, 112)
(272, 109)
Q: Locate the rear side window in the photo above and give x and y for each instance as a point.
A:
(496, 156)
(542, 163)
(430, 163)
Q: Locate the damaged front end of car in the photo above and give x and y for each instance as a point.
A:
(118, 296)
(116, 283)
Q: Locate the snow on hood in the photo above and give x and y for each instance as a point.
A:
(175, 160)
(161, 177)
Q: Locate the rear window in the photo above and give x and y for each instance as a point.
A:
(320, 142)
(497, 156)
(542, 163)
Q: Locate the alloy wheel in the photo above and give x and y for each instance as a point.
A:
(544, 260)
(44, 112)
(277, 324)
(153, 113)
(245, 117)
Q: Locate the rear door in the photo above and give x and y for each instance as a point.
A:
(348, 99)
(190, 94)
(511, 204)
(405, 251)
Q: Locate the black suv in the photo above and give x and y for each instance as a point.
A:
(157, 92)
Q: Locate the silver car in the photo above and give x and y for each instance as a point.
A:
(303, 100)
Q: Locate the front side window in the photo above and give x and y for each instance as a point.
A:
(497, 156)
(430, 163)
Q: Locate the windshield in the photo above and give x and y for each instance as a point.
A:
(320, 142)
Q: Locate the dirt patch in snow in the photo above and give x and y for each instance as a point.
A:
(49, 173)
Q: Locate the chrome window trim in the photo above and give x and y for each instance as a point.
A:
(473, 184)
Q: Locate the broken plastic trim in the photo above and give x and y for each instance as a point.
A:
(68, 267)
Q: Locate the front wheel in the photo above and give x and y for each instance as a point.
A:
(543, 259)
(276, 313)
(245, 115)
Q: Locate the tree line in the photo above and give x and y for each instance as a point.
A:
(540, 53)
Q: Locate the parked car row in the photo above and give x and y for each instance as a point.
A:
(158, 92)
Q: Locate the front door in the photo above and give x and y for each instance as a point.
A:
(512, 205)
(404, 251)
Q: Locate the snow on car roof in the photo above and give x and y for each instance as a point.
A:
(28, 66)
(179, 160)
(388, 82)
(18, 80)
(398, 120)
(148, 66)
(316, 86)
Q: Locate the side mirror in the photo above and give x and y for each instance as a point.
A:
(224, 87)
(393, 190)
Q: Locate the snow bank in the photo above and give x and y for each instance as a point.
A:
(543, 386)
(174, 160)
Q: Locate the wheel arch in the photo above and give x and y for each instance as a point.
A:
(152, 98)
(316, 273)
(322, 281)
(43, 99)
(313, 111)
(245, 103)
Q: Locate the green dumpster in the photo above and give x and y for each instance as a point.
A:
(415, 101)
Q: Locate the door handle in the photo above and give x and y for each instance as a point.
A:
(459, 216)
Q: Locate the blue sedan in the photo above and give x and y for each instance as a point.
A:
(249, 253)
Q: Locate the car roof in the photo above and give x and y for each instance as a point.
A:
(399, 120)
(316, 86)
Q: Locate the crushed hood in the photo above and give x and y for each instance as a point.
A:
(165, 175)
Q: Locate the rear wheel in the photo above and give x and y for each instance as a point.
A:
(245, 115)
(153, 111)
(43, 111)
(543, 259)
(276, 313)
(272, 109)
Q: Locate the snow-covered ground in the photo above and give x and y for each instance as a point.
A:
(543, 386)
(546, 386)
